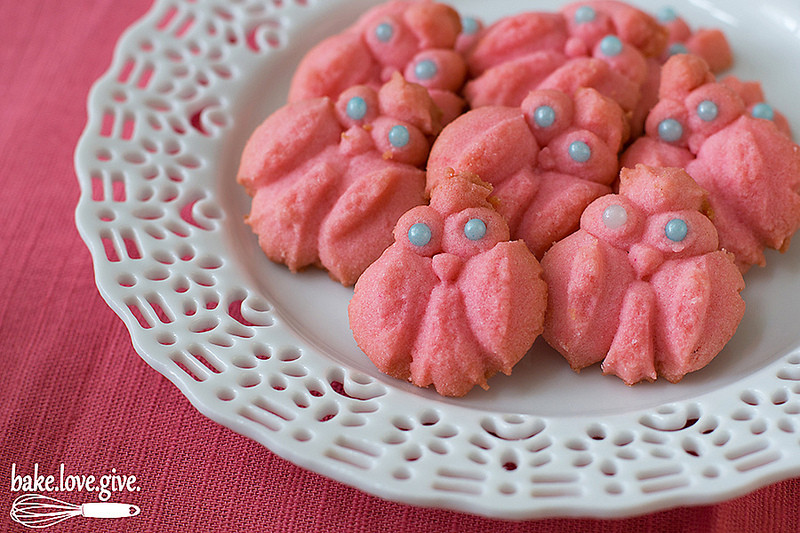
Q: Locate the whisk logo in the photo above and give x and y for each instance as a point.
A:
(39, 511)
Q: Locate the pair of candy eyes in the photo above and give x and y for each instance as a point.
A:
(385, 31)
(398, 135)
(613, 46)
(586, 14)
(425, 69)
(610, 45)
(670, 130)
(545, 116)
(420, 234)
(667, 15)
(615, 216)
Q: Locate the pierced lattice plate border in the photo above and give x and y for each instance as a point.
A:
(269, 354)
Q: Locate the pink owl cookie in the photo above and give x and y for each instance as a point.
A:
(708, 43)
(606, 45)
(735, 146)
(547, 159)
(330, 178)
(416, 38)
(452, 301)
(642, 286)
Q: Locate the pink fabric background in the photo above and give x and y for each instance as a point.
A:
(74, 391)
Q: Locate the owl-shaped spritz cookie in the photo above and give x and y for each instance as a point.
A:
(418, 39)
(604, 45)
(642, 286)
(547, 159)
(736, 146)
(452, 301)
(610, 46)
(330, 178)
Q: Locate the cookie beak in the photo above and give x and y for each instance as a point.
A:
(645, 260)
(446, 266)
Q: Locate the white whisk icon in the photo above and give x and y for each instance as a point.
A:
(35, 510)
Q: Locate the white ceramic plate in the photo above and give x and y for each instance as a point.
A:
(270, 355)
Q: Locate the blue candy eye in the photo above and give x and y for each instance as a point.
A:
(667, 14)
(676, 230)
(707, 110)
(544, 116)
(585, 14)
(580, 152)
(356, 108)
(670, 130)
(419, 234)
(611, 46)
(399, 136)
(475, 229)
(469, 26)
(384, 32)
(425, 69)
(677, 48)
(615, 216)
(762, 110)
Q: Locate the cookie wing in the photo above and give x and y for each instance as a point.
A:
(291, 136)
(359, 226)
(505, 299)
(587, 280)
(699, 309)
(388, 304)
